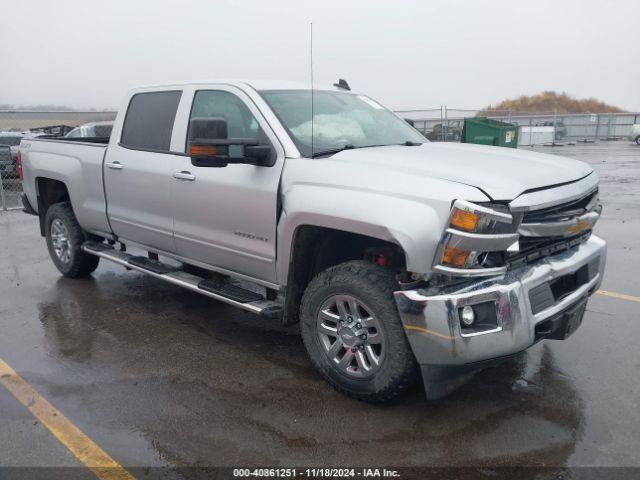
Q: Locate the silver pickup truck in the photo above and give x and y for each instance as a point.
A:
(399, 257)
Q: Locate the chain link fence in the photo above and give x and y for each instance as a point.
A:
(445, 124)
(17, 124)
(10, 184)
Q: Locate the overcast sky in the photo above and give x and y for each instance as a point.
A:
(409, 55)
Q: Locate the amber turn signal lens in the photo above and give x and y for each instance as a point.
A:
(455, 256)
(465, 220)
(203, 150)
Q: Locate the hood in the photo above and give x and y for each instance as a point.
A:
(502, 173)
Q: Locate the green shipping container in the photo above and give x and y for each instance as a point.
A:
(485, 131)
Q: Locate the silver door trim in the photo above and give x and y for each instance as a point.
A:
(138, 225)
(226, 249)
(206, 266)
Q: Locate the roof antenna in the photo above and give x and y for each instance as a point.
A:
(311, 45)
(342, 83)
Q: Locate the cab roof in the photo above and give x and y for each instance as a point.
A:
(258, 85)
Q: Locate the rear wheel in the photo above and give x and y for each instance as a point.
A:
(638, 139)
(64, 241)
(353, 333)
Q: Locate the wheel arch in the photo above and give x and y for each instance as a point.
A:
(315, 248)
(49, 191)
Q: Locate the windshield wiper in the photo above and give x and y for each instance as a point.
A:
(332, 151)
(348, 146)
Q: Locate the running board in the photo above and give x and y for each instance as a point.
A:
(224, 292)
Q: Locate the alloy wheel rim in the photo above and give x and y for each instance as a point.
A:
(351, 336)
(60, 241)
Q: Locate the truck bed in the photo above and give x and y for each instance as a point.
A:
(98, 140)
(78, 163)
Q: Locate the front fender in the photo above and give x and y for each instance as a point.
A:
(413, 225)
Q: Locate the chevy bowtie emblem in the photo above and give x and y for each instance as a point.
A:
(581, 226)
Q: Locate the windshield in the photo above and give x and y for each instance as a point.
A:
(12, 141)
(341, 119)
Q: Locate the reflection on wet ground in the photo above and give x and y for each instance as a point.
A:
(160, 376)
(233, 379)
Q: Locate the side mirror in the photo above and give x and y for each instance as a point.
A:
(210, 147)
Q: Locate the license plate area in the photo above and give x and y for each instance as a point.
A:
(562, 324)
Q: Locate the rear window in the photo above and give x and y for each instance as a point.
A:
(11, 141)
(149, 121)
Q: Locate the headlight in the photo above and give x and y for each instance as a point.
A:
(488, 218)
(476, 239)
(465, 220)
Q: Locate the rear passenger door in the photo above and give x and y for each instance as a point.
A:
(137, 171)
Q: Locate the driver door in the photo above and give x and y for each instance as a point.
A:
(226, 216)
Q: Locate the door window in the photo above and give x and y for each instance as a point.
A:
(149, 121)
(220, 104)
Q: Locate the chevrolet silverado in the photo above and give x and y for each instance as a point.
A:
(401, 259)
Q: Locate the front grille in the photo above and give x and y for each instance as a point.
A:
(535, 248)
(546, 232)
(562, 211)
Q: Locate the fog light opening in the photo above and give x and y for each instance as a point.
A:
(478, 318)
(467, 316)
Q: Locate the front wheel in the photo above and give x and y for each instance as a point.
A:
(64, 241)
(353, 334)
(638, 140)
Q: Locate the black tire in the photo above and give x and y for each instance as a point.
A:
(80, 264)
(638, 140)
(374, 286)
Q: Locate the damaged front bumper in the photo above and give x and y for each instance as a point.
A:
(541, 300)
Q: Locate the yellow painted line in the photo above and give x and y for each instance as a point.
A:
(430, 332)
(621, 296)
(81, 446)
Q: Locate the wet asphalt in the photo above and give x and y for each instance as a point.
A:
(158, 376)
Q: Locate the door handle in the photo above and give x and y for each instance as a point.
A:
(184, 175)
(115, 165)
